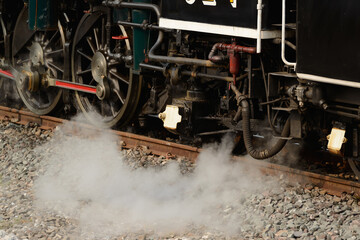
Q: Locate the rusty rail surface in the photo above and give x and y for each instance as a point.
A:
(332, 185)
(158, 147)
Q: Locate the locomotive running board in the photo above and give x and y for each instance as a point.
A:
(53, 82)
(341, 82)
(218, 29)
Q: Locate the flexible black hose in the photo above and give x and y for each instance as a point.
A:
(266, 153)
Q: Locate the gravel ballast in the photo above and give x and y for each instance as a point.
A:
(54, 186)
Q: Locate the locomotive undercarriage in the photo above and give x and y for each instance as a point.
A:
(196, 85)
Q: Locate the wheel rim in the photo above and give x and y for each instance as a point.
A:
(91, 62)
(3, 33)
(42, 54)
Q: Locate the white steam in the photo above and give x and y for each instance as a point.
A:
(87, 179)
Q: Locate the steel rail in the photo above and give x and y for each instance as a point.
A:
(158, 147)
(332, 185)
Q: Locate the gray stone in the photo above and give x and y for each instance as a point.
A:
(269, 210)
(314, 228)
(285, 212)
(298, 234)
(10, 237)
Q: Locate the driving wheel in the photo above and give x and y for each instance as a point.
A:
(36, 54)
(94, 63)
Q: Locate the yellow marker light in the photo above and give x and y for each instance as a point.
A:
(336, 140)
(170, 117)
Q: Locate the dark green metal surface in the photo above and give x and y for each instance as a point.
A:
(141, 37)
(120, 14)
(43, 14)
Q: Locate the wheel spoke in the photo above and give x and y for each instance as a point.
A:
(54, 52)
(89, 41)
(52, 38)
(112, 110)
(119, 96)
(111, 64)
(19, 62)
(96, 38)
(84, 72)
(35, 101)
(103, 32)
(102, 107)
(42, 37)
(119, 77)
(84, 55)
(52, 65)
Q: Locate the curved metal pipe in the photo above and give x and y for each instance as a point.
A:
(216, 77)
(259, 25)
(233, 47)
(288, 43)
(152, 56)
(177, 60)
(119, 4)
(141, 25)
(193, 74)
(153, 67)
(283, 36)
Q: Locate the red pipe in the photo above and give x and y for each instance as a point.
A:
(233, 51)
(229, 47)
(236, 48)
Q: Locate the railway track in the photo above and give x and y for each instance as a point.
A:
(333, 185)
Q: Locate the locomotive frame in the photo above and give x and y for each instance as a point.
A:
(203, 67)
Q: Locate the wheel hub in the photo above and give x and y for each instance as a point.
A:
(98, 67)
(100, 92)
(36, 54)
(31, 73)
(33, 80)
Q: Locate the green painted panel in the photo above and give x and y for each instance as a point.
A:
(141, 37)
(120, 14)
(43, 14)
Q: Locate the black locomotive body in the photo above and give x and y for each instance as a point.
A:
(326, 39)
(240, 13)
(200, 67)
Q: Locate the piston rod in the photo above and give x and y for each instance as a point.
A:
(71, 85)
(51, 82)
(6, 74)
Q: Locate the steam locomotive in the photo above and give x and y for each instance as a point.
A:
(202, 67)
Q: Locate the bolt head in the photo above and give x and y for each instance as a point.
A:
(100, 92)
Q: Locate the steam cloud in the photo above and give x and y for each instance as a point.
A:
(87, 179)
